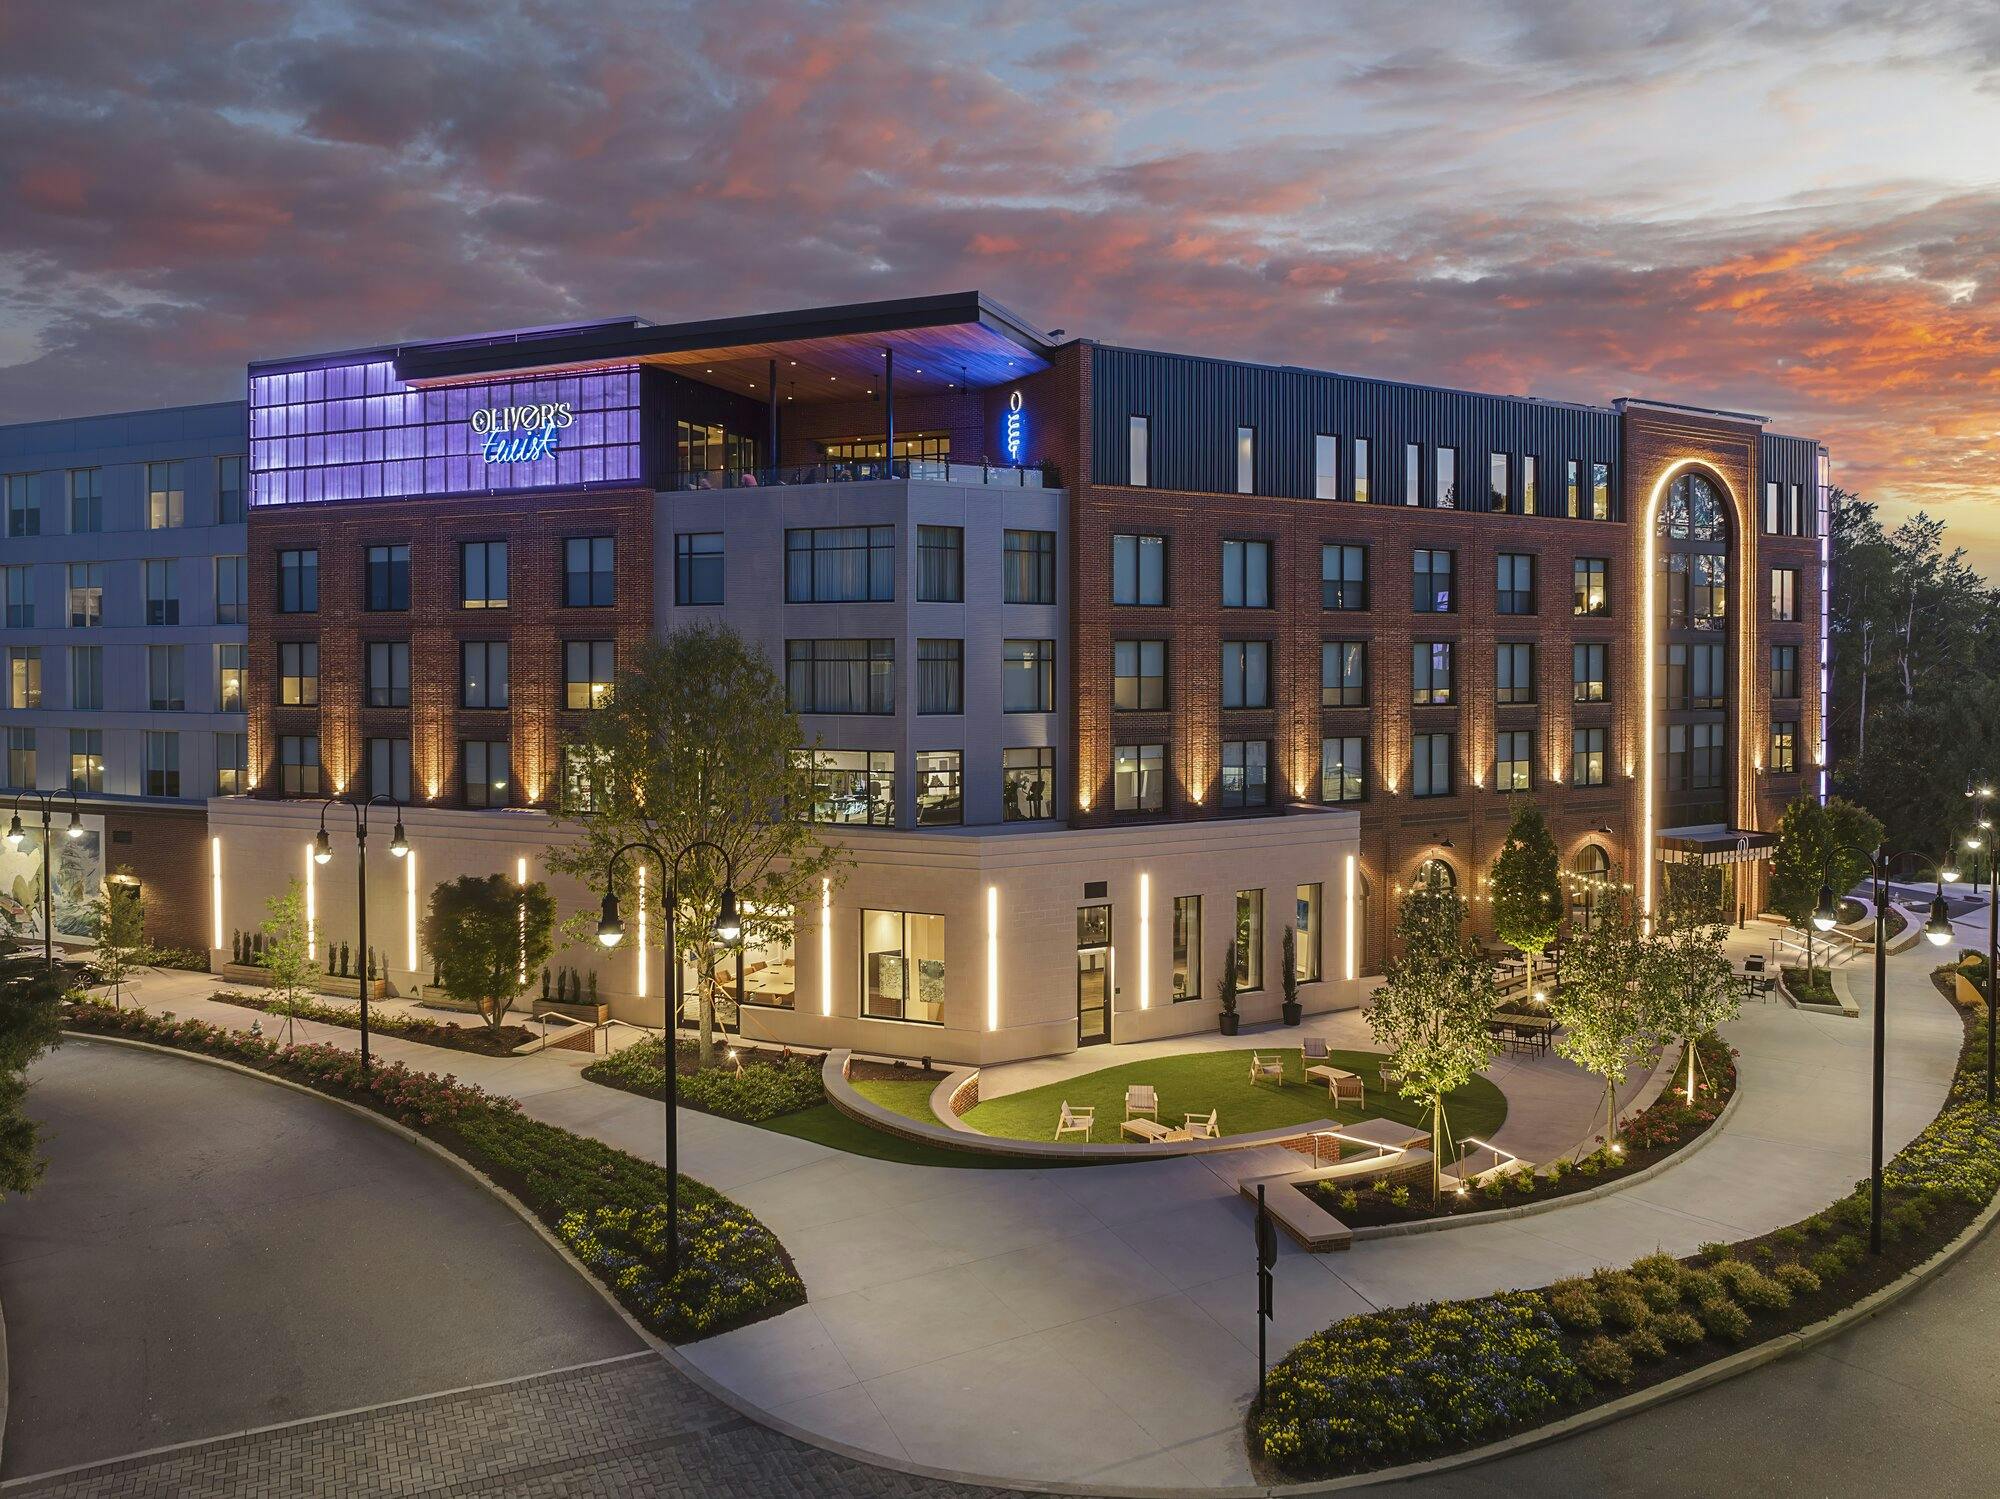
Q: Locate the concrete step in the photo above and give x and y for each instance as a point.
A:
(1297, 1214)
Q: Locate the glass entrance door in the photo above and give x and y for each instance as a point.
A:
(1093, 975)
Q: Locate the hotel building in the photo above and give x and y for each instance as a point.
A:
(1112, 658)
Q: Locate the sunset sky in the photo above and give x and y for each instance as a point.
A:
(1788, 208)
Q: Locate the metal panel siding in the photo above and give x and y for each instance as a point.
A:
(1195, 405)
(1789, 460)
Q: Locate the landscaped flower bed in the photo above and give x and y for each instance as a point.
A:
(1393, 1387)
(1669, 1124)
(608, 1206)
(482, 1038)
(767, 1084)
(1815, 988)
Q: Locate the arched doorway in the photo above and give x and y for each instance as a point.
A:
(1590, 874)
(1442, 870)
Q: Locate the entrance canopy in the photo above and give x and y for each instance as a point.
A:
(1715, 844)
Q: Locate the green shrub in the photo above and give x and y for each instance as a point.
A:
(1818, 1225)
(1701, 1287)
(1605, 1360)
(1850, 1212)
(1644, 1344)
(1679, 1328)
(1714, 1252)
(1624, 1307)
(1400, 1196)
(1661, 1295)
(1574, 1303)
(1796, 1278)
(1658, 1265)
(1725, 1320)
(1349, 1199)
(1789, 1236)
(753, 1093)
(1756, 1291)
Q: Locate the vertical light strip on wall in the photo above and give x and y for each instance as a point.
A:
(640, 956)
(1347, 925)
(410, 908)
(993, 957)
(1824, 507)
(1145, 941)
(312, 908)
(215, 891)
(521, 923)
(826, 951)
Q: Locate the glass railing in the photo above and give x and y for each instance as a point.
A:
(867, 470)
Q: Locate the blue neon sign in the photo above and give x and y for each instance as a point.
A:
(1015, 431)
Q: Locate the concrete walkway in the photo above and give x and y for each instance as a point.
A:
(1096, 1325)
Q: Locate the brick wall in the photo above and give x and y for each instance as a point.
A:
(166, 850)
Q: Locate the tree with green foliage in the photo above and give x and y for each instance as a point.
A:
(485, 934)
(1603, 1015)
(30, 1023)
(697, 745)
(1432, 1012)
(1527, 882)
(121, 935)
(1689, 979)
(1832, 845)
(288, 947)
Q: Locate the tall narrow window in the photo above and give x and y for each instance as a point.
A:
(487, 773)
(1431, 586)
(24, 505)
(1784, 594)
(229, 490)
(1413, 473)
(1430, 764)
(483, 674)
(1138, 777)
(1430, 672)
(1029, 576)
(86, 500)
(589, 572)
(389, 577)
(1246, 673)
(86, 678)
(1187, 947)
(389, 768)
(1784, 671)
(1249, 940)
(589, 668)
(1246, 773)
(24, 674)
(298, 764)
(1246, 460)
(1246, 574)
(298, 674)
(941, 564)
(1326, 467)
(482, 571)
(1514, 585)
(1343, 769)
(1513, 760)
(21, 768)
(1530, 484)
(1343, 674)
(1343, 578)
(1498, 500)
(20, 587)
(163, 592)
(86, 594)
(1028, 676)
(230, 676)
(1027, 783)
(1590, 596)
(298, 582)
(86, 758)
(940, 790)
(1513, 673)
(1447, 478)
(1785, 746)
(1307, 942)
(1587, 674)
(163, 764)
(1139, 448)
(232, 590)
(1139, 675)
(1139, 570)
(1586, 757)
(1361, 490)
(1572, 489)
(166, 495)
(1600, 491)
(940, 676)
(388, 674)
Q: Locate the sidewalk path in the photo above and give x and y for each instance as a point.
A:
(1095, 1325)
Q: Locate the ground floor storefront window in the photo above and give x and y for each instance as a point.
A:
(902, 966)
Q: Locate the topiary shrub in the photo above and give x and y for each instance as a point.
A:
(1605, 1360)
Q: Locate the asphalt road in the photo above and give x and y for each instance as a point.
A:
(209, 1253)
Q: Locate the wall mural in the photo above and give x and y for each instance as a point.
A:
(78, 867)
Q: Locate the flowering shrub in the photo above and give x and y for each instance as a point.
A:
(731, 1267)
(388, 1023)
(762, 1089)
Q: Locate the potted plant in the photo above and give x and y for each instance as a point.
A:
(1228, 1018)
(1291, 1009)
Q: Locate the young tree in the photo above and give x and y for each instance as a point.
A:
(30, 1023)
(1527, 882)
(697, 744)
(1432, 1013)
(121, 936)
(1689, 973)
(1604, 1017)
(288, 946)
(486, 935)
(1833, 844)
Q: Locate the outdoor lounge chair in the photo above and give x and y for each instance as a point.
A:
(1140, 1098)
(1075, 1121)
(1263, 1067)
(1315, 1049)
(1202, 1126)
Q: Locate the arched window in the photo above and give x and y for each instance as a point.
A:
(1694, 511)
(1445, 877)
(1592, 869)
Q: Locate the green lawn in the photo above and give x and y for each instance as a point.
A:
(910, 1099)
(1220, 1080)
(826, 1125)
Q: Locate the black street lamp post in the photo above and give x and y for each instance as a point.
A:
(1938, 931)
(323, 851)
(16, 834)
(611, 931)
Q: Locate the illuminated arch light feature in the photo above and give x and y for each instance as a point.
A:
(993, 957)
(826, 947)
(1347, 932)
(215, 891)
(1145, 941)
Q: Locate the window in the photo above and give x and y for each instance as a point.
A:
(1498, 500)
(1249, 940)
(1246, 673)
(20, 597)
(1138, 569)
(163, 592)
(1586, 757)
(1796, 519)
(482, 575)
(166, 495)
(1138, 777)
(1343, 673)
(24, 507)
(232, 590)
(1246, 575)
(1513, 672)
(1306, 946)
(1343, 769)
(1027, 783)
(163, 764)
(1784, 594)
(1784, 671)
(698, 567)
(1430, 765)
(1514, 583)
(853, 786)
(298, 673)
(388, 577)
(231, 677)
(1028, 676)
(1413, 473)
(1447, 478)
(1343, 578)
(1361, 491)
(482, 674)
(298, 764)
(1694, 756)
(86, 501)
(229, 490)
(24, 676)
(232, 764)
(1572, 489)
(1030, 576)
(1326, 467)
(940, 797)
(1600, 491)
(488, 773)
(902, 964)
(21, 768)
(1430, 673)
(86, 595)
(1139, 675)
(1785, 746)
(389, 768)
(86, 758)
(1774, 515)
(840, 676)
(940, 676)
(589, 669)
(388, 684)
(1591, 596)
(941, 564)
(86, 677)
(1246, 460)
(1431, 590)
(1586, 674)
(1246, 773)
(840, 565)
(1530, 487)
(1139, 450)
(590, 572)
(298, 582)
(1187, 947)
(1513, 760)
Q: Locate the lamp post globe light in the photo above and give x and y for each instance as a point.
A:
(17, 835)
(728, 931)
(323, 853)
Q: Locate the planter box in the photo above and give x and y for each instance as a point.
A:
(595, 1014)
(326, 983)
